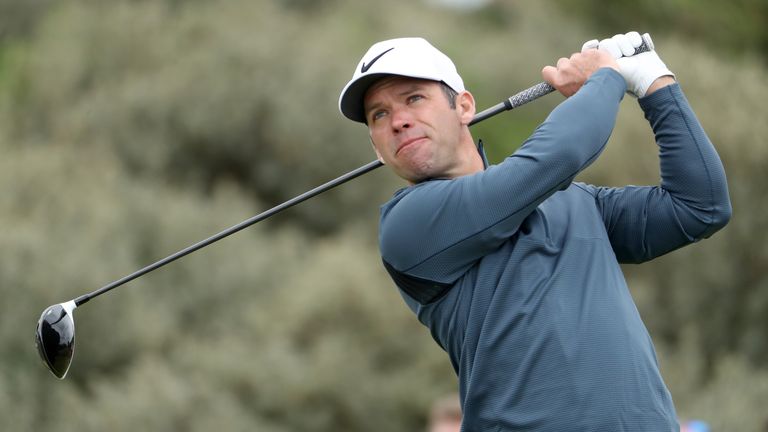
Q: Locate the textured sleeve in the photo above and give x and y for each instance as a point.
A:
(691, 202)
(437, 229)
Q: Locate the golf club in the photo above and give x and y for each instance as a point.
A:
(55, 333)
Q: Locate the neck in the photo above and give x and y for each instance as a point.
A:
(470, 159)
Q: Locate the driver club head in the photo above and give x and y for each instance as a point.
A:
(55, 337)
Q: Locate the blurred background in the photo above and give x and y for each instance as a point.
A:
(132, 129)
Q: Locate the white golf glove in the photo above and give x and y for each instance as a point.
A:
(639, 71)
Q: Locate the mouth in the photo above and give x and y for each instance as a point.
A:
(408, 143)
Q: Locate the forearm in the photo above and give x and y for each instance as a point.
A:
(469, 216)
(571, 137)
(577, 130)
(690, 168)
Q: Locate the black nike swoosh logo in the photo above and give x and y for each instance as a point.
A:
(365, 67)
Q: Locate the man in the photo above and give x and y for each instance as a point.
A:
(514, 268)
(445, 414)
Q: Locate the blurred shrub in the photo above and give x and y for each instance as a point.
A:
(131, 129)
(199, 93)
(195, 95)
(264, 330)
(732, 400)
(732, 28)
(19, 18)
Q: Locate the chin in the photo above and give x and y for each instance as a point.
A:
(422, 173)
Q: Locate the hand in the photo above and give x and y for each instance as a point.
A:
(639, 70)
(571, 73)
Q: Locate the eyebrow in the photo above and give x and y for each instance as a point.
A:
(414, 87)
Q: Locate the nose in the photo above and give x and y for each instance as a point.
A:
(401, 119)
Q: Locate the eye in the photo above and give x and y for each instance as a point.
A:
(378, 114)
(414, 98)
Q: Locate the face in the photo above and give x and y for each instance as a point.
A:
(446, 426)
(415, 131)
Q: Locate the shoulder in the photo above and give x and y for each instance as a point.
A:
(413, 200)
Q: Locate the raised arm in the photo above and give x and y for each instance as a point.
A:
(437, 229)
(691, 202)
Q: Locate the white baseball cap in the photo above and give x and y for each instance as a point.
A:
(409, 57)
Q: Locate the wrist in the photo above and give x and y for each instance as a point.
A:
(609, 78)
(659, 83)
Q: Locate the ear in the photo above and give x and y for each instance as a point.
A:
(465, 105)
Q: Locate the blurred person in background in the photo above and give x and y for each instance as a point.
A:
(514, 267)
(694, 426)
(445, 414)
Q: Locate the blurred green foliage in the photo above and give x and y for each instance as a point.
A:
(18, 19)
(733, 28)
(131, 129)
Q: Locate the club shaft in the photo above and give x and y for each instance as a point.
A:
(231, 230)
(521, 98)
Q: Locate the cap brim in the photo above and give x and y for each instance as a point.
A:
(351, 103)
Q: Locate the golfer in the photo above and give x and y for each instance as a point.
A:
(514, 267)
